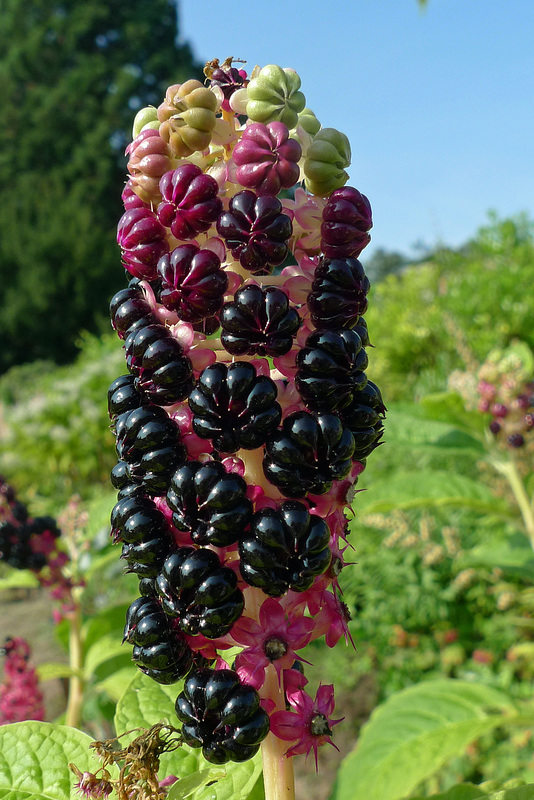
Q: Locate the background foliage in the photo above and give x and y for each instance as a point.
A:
(72, 76)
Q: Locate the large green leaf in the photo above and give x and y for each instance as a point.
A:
(104, 650)
(416, 432)
(463, 791)
(468, 791)
(430, 488)
(145, 703)
(414, 733)
(19, 579)
(449, 407)
(34, 759)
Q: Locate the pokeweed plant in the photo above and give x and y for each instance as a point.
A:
(246, 415)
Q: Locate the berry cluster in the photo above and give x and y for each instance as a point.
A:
(246, 415)
(511, 406)
(29, 542)
(20, 695)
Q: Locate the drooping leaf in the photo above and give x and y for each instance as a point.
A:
(145, 703)
(463, 791)
(34, 759)
(185, 787)
(430, 488)
(406, 429)
(414, 733)
(450, 407)
(114, 684)
(19, 579)
(50, 670)
(106, 649)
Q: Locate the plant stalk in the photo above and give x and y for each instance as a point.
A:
(75, 698)
(511, 473)
(278, 778)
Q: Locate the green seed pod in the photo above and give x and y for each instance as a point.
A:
(274, 95)
(309, 122)
(326, 159)
(145, 118)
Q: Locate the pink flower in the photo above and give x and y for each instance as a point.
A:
(309, 725)
(273, 640)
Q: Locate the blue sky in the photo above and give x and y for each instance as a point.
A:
(438, 105)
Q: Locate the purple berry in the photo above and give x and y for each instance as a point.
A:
(192, 282)
(259, 321)
(141, 237)
(347, 219)
(256, 230)
(190, 202)
(266, 158)
(339, 294)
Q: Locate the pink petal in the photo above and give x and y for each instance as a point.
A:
(272, 616)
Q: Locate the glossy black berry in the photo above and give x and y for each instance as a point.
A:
(128, 309)
(364, 417)
(256, 230)
(285, 548)
(331, 369)
(259, 321)
(234, 407)
(162, 372)
(148, 442)
(201, 593)
(209, 502)
(123, 396)
(221, 715)
(308, 454)
(339, 294)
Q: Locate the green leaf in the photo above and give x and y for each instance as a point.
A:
(34, 759)
(429, 488)
(50, 670)
(106, 649)
(414, 733)
(515, 561)
(520, 793)
(114, 684)
(145, 703)
(111, 621)
(463, 791)
(410, 430)
(197, 780)
(19, 579)
(449, 407)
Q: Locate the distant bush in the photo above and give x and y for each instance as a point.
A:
(455, 306)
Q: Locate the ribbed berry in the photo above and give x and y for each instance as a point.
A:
(221, 715)
(209, 502)
(234, 407)
(128, 310)
(308, 454)
(142, 238)
(266, 158)
(192, 282)
(159, 651)
(347, 218)
(339, 294)
(123, 396)
(331, 369)
(162, 372)
(201, 593)
(190, 202)
(284, 548)
(364, 417)
(228, 78)
(148, 440)
(256, 230)
(259, 321)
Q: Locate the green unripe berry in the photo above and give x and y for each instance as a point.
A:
(326, 159)
(273, 95)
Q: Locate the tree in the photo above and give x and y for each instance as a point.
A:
(71, 76)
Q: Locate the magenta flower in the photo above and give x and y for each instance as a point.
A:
(310, 725)
(273, 640)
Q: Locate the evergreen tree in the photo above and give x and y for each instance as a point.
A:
(72, 75)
